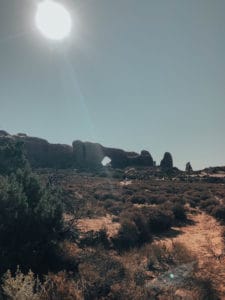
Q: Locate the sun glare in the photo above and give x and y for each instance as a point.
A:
(53, 20)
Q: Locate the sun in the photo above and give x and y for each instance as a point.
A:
(53, 20)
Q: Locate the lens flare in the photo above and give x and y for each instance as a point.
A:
(53, 20)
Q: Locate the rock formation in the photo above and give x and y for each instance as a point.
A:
(88, 154)
(188, 168)
(167, 162)
(3, 133)
(42, 154)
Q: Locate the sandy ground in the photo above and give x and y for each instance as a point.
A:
(204, 239)
(99, 223)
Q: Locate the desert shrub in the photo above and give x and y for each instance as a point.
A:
(179, 212)
(116, 209)
(157, 256)
(12, 157)
(219, 212)
(144, 234)
(21, 286)
(115, 219)
(181, 254)
(98, 272)
(118, 174)
(159, 219)
(138, 199)
(31, 222)
(157, 199)
(137, 226)
(203, 289)
(107, 195)
(214, 180)
(127, 191)
(65, 257)
(205, 195)
(108, 204)
(130, 291)
(161, 257)
(194, 200)
(71, 205)
(134, 231)
(60, 286)
(28, 287)
(140, 278)
(30, 214)
(93, 239)
(193, 203)
(113, 207)
(209, 204)
(127, 237)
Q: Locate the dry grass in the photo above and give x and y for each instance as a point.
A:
(151, 264)
(204, 239)
(97, 224)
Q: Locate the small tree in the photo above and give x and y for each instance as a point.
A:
(11, 156)
(30, 214)
(31, 220)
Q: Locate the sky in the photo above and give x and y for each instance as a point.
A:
(134, 74)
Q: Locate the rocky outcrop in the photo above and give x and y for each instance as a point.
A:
(3, 133)
(88, 154)
(188, 168)
(42, 154)
(167, 162)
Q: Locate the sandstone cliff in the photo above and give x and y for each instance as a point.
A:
(42, 154)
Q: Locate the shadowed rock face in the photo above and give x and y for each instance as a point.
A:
(42, 154)
(91, 155)
(167, 162)
(88, 154)
(3, 133)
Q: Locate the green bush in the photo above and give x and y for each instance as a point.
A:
(159, 219)
(12, 157)
(31, 222)
(219, 213)
(98, 272)
(138, 199)
(144, 233)
(93, 239)
(30, 214)
(179, 212)
(134, 231)
(127, 237)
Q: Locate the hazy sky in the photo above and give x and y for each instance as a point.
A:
(135, 74)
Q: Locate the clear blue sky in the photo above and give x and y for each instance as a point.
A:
(135, 74)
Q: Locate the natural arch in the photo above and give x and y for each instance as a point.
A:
(106, 161)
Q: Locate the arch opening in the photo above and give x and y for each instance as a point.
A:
(106, 161)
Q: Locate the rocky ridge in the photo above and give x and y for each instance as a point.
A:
(42, 154)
